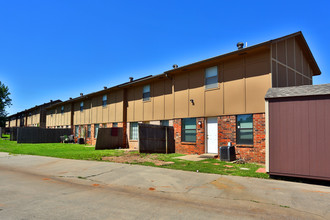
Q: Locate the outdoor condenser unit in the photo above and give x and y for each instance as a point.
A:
(227, 153)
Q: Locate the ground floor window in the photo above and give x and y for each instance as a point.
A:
(96, 130)
(76, 130)
(188, 133)
(104, 125)
(164, 123)
(115, 124)
(133, 131)
(88, 131)
(244, 132)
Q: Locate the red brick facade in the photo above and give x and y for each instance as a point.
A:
(187, 147)
(226, 133)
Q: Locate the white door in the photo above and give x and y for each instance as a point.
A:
(212, 135)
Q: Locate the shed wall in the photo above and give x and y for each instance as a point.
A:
(299, 137)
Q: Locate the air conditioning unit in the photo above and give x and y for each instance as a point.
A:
(227, 153)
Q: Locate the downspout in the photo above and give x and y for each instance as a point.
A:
(267, 134)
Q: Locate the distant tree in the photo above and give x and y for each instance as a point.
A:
(5, 101)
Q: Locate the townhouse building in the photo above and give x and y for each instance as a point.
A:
(32, 117)
(209, 103)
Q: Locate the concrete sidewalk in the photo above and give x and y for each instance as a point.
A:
(264, 196)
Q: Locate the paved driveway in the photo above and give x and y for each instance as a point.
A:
(34, 187)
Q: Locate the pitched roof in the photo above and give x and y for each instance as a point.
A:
(167, 73)
(295, 91)
(298, 35)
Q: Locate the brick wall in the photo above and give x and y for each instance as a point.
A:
(250, 153)
(186, 147)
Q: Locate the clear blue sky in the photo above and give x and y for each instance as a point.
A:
(56, 49)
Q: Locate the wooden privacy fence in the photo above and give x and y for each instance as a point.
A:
(13, 134)
(41, 135)
(156, 139)
(110, 138)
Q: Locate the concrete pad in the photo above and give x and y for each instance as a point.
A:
(191, 158)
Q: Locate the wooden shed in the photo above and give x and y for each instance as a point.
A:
(298, 131)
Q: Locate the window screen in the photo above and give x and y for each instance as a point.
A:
(188, 133)
(81, 106)
(134, 131)
(89, 131)
(211, 77)
(244, 129)
(146, 93)
(96, 130)
(104, 100)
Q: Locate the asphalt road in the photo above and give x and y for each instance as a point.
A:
(33, 187)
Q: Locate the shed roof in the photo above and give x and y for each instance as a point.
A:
(295, 91)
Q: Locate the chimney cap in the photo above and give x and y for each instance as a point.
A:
(240, 45)
(131, 79)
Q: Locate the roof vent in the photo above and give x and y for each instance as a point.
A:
(105, 87)
(81, 94)
(51, 100)
(131, 79)
(240, 45)
(70, 98)
(175, 66)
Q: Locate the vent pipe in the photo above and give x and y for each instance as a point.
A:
(131, 79)
(175, 66)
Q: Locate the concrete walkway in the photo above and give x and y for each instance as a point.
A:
(166, 193)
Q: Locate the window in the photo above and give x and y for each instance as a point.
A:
(76, 130)
(211, 78)
(244, 129)
(188, 133)
(164, 123)
(134, 130)
(104, 100)
(146, 93)
(88, 131)
(81, 106)
(96, 130)
(115, 124)
(62, 109)
(104, 125)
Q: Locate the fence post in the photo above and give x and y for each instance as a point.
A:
(166, 138)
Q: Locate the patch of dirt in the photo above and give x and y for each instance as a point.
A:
(137, 158)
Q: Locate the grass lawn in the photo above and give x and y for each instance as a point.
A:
(80, 152)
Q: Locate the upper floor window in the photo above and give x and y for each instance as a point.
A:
(211, 77)
(62, 109)
(244, 129)
(104, 100)
(146, 93)
(81, 106)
